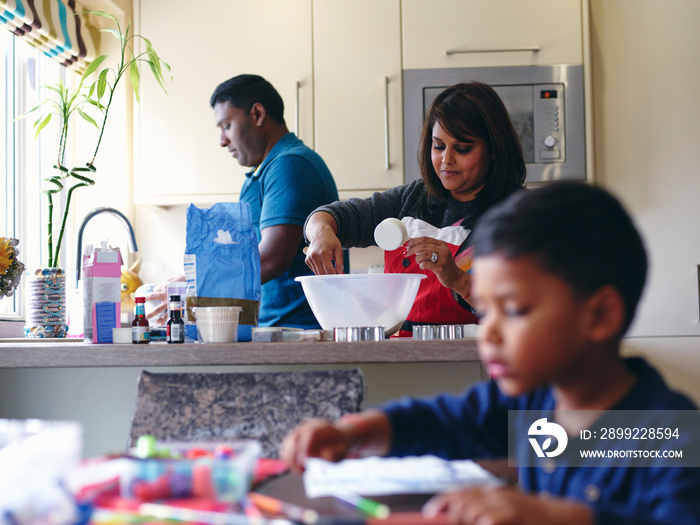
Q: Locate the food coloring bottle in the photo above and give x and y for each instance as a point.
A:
(176, 326)
(140, 332)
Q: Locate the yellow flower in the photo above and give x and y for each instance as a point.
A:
(6, 253)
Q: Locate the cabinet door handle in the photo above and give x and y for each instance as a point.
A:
(296, 109)
(386, 123)
(532, 49)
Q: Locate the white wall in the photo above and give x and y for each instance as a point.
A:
(646, 69)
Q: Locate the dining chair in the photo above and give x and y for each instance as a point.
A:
(254, 405)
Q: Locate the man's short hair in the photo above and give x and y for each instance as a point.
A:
(581, 234)
(243, 91)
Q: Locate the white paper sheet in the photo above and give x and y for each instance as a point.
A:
(375, 476)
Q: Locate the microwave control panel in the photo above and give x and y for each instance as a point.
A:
(549, 124)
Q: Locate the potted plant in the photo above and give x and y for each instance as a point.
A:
(91, 100)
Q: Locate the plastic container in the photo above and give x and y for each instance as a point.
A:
(390, 234)
(347, 300)
(38, 459)
(207, 470)
(217, 324)
(121, 336)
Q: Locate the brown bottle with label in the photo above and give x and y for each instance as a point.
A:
(140, 331)
(176, 326)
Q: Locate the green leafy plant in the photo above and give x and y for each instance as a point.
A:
(92, 96)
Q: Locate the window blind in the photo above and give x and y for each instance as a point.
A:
(59, 28)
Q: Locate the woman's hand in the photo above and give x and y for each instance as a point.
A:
(324, 248)
(506, 506)
(434, 255)
(158, 315)
(315, 438)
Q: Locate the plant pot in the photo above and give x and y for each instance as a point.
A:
(46, 304)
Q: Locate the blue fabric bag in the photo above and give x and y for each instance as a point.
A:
(222, 261)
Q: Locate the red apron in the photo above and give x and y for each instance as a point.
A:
(434, 303)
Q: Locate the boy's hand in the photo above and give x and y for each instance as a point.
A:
(315, 438)
(506, 506)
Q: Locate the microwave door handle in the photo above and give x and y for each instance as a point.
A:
(386, 123)
(532, 49)
(296, 109)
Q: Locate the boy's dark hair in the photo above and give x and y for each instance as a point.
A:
(579, 233)
(243, 91)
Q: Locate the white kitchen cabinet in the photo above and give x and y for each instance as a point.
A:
(357, 93)
(177, 156)
(342, 93)
(446, 33)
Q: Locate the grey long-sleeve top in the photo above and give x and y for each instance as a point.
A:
(357, 218)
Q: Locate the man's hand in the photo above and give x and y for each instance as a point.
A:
(506, 506)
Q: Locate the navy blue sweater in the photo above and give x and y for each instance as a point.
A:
(475, 425)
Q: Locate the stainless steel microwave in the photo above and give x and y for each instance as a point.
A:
(545, 103)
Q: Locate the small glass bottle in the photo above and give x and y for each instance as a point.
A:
(140, 331)
(176, 326)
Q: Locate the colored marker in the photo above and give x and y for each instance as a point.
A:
(275, 506)
(367, 506)
(168, 512)
(251, 510)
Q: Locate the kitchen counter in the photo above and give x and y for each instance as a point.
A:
(44, 354)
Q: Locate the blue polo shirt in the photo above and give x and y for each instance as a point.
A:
(290, 183)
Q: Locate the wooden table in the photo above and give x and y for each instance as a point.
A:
(40, 354)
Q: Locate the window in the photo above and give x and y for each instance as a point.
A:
(24, 162)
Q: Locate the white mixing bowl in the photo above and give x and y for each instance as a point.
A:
(361, 299)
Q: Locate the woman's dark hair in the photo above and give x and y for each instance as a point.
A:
(465, 111)
(245, 90)
(579, 233)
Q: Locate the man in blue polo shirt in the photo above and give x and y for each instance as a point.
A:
(289, 181)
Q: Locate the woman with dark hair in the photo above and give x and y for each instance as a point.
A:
(470, 158)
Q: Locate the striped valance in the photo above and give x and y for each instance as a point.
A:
(53, 27)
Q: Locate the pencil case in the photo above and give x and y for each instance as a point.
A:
(207, 470)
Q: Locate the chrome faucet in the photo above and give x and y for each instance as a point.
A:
(119, 215)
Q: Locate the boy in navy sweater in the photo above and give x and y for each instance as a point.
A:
(558, 273)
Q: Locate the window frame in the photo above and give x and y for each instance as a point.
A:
(27, 160)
